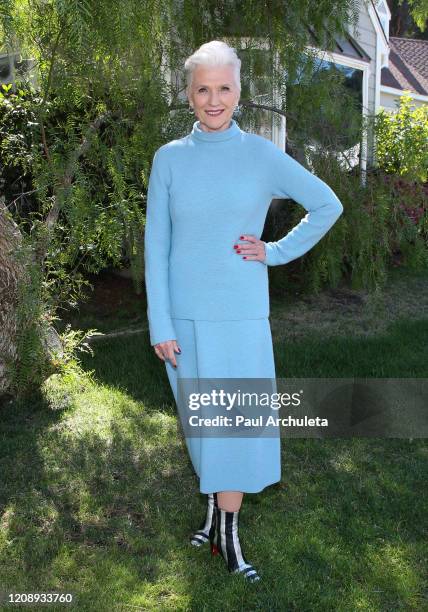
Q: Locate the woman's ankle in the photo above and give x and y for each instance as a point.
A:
(230, 501)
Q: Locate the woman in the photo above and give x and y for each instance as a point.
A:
(207, 279)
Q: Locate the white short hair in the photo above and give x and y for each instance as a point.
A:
(214, 54)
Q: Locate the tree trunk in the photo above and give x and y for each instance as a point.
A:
(12, 272)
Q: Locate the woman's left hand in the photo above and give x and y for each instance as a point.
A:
(254, 251)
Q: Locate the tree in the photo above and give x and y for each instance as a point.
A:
(419, 12)
(408, 18)
(103, 106)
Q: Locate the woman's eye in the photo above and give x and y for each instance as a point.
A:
(204, 89)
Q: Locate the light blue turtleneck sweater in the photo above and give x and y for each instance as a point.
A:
(206, 190)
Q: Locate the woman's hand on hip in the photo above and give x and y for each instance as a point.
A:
(166, 350)
(254, 251)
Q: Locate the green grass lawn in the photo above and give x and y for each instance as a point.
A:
(98, 496)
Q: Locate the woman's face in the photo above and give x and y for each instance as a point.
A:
(213, 89)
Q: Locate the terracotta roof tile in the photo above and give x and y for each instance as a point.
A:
(408, 65)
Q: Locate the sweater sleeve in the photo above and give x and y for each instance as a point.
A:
(157, 242)
(289, 179)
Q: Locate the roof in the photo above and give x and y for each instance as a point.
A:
(408, 65)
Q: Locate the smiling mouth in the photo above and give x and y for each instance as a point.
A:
(214, 113)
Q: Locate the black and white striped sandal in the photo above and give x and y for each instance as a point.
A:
(203, 534)
(225, 541)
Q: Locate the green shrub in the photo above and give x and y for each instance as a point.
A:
(401, 145)
(384, 223)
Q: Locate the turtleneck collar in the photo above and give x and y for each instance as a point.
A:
(201, 135)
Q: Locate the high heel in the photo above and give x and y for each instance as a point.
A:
(207, 526)
(225, 541)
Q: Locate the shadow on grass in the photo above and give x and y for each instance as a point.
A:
(401, 352)
(131, 365)
(100, 498)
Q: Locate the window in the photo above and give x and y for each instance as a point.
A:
(383, 12)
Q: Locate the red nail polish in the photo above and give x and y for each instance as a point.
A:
(244, 258)
(241, 237)
(235, 246)
(238, 251)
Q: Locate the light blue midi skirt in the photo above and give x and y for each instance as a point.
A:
(228, 349)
